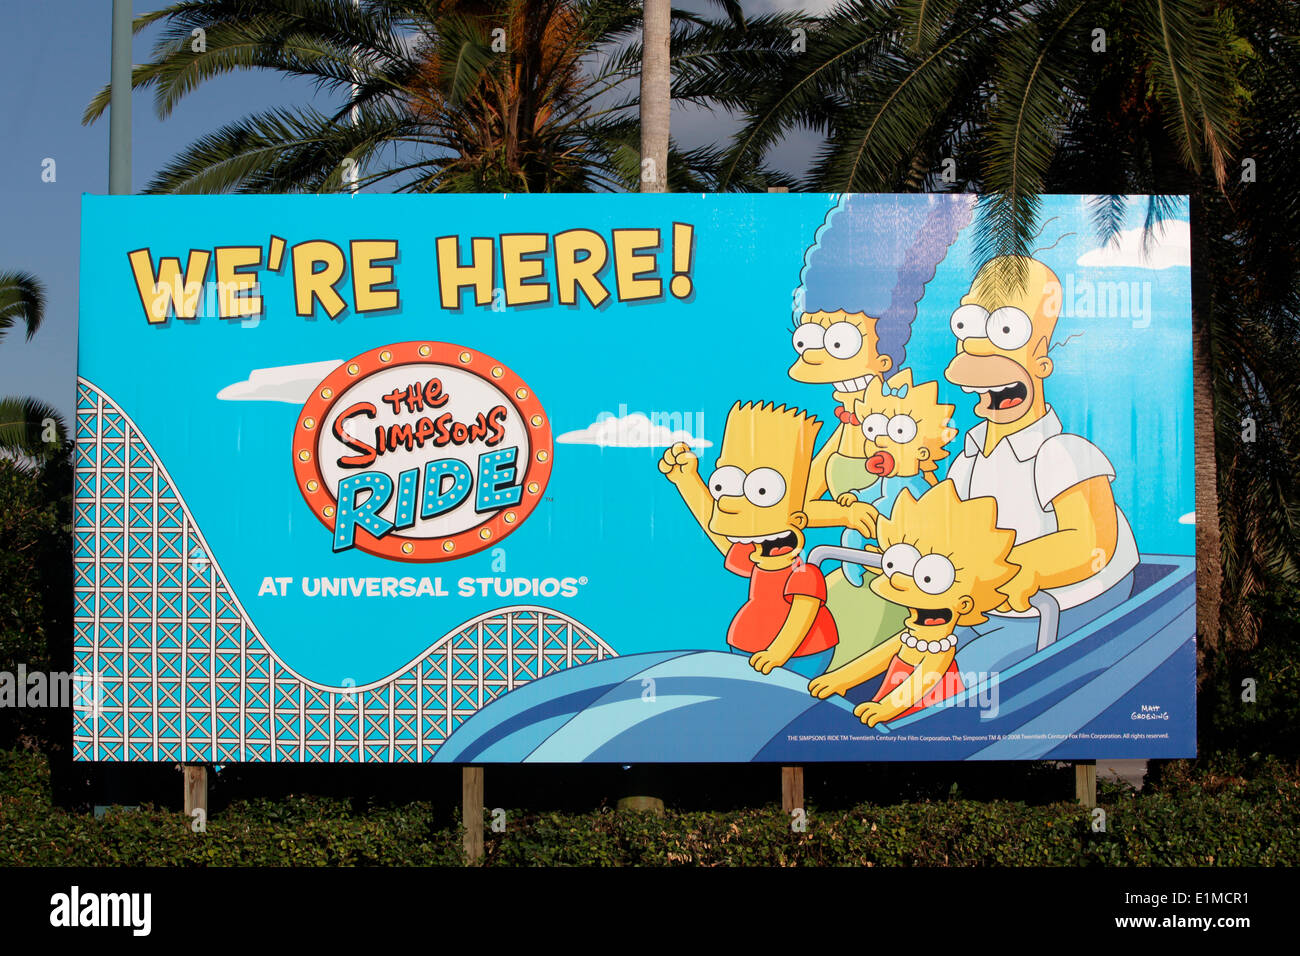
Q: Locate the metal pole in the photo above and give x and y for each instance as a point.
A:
(119, 126)
(355, 113)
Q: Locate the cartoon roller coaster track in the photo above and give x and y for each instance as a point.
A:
(168, 666)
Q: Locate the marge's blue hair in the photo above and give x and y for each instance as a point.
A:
(875, 254)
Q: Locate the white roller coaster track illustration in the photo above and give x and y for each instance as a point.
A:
(169, 666)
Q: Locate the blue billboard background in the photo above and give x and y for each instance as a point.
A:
(650, 584)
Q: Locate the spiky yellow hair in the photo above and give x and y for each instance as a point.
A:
(966, 531)
(922, 403)
(764, 434)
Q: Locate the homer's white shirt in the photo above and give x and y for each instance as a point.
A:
(1024, 473)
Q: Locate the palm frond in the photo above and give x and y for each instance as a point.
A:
(30, 429)
(22, 299)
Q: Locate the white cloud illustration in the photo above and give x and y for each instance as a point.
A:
(1170, 246)
(633, 430)
(1189, 518)
(285, 383)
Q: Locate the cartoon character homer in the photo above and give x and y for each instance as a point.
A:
(1052, 488)
(752, 509)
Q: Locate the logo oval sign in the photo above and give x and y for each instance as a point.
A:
(422, 451)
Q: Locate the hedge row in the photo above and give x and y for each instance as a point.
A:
(1192, 818)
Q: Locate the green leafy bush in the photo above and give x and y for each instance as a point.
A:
(1194, 817)
(1231, 722)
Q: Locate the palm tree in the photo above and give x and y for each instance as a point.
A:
(1104, 98)
(655, 98)
(440, 95)
(29, 429)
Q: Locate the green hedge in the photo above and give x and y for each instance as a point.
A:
(1189, 818)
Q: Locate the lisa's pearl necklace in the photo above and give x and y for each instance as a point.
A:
(911, 640)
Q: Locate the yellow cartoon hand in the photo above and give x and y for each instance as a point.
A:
(861, 517)
(828, 685)
(679, 462)
(847, 500)
(1019, 590)
(872, 712)
(765, 661)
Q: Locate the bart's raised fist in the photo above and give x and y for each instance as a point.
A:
(679, 462)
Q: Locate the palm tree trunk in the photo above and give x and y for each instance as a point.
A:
(1209, 542)
(656, 95)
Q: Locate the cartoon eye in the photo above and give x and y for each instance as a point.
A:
(899, 559)
(875, 425)
(1009, 328)
(902, 428)
(764, 487)
(843, 340)
(934, 574)
(810, 335)
(969, 321)
(727, 480)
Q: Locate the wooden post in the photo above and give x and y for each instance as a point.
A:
(639, 780)
(471, 811)
(1085, 782)
(196, 790)
(791, 789)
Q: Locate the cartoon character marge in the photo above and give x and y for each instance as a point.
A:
(858, 297)
(752, 509)
(944, 560)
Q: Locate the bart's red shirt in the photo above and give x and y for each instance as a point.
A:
(759, 619)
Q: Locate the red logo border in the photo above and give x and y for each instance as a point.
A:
(307, 436)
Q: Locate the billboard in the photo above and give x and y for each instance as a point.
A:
(497, 479)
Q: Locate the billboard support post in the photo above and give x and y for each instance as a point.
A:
(791, 789)
(471, 810)
(1085, 782)
(196, 789)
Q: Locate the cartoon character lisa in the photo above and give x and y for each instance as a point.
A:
(752, 510)
(944, 560)
(900, 439)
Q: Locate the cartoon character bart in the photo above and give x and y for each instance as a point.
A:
(752, 510)
(900, 439)
(944, 561)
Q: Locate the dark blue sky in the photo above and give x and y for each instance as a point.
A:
(54, 56)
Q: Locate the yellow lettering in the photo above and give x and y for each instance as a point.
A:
(162, 293)
(572, 272)
(311, 286)
(452, 276)
(366, 275)
(632, 262)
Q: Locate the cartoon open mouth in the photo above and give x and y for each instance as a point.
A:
(881, 463)
(771, 545)
(932, 617)
(1007, 396)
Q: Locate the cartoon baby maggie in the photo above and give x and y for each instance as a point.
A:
(900, 438)
(752, 510)
(944, 561)
(1053, 488)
